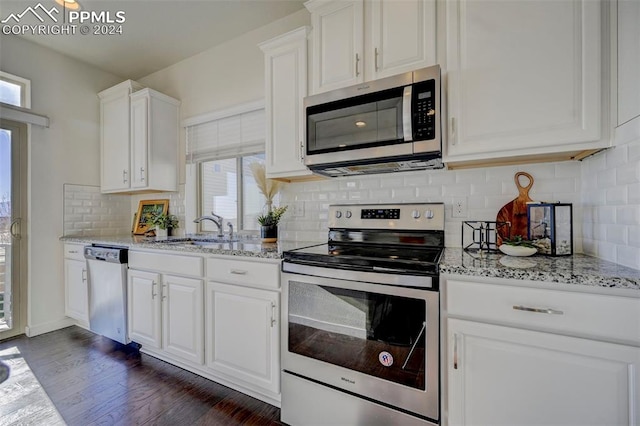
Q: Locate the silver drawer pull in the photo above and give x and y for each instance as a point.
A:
(538, 310)
(237, 272)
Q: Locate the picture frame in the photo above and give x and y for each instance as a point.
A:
(146, 208)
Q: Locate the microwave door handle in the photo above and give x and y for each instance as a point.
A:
(406, 114)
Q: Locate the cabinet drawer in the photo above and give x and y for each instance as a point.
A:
(168, 263)
(74, 251)
(604, 316)
(253, 274)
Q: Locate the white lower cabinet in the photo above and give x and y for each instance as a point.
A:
(145, 307)
(166, 313)
(183, 317)
(508, 376)
(242, 339)
(76, 291)
(226, 330)
(517, 355)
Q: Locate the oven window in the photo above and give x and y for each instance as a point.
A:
(376, 334)
(360, 122)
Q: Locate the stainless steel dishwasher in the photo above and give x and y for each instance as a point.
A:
(107, 276)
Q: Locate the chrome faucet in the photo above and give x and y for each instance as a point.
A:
(230, 225)
(218, 220)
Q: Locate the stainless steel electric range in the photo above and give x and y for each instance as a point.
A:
(360, 319)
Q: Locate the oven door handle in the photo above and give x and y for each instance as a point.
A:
(383, 269)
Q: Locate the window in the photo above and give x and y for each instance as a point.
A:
(222, 184)
(15, 90)
(220, 147)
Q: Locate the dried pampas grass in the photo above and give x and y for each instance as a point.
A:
(268, 187)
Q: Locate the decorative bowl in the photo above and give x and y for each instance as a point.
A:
(517, 250)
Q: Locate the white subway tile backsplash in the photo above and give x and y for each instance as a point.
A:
(616, 195)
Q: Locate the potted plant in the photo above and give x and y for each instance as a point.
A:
(164, 223)
(269, 188)
(269, 224)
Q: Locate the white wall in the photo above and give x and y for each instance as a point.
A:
(67, 152)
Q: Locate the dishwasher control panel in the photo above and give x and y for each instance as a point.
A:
(107, 253)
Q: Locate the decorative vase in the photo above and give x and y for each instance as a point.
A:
(269, 233)
(162, 233)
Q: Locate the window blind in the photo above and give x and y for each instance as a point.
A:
(227, 136)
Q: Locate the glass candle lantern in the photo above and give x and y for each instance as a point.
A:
(550, 227)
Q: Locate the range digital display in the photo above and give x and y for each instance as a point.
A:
(380, 214)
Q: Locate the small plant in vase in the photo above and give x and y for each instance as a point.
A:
(269, 188)
(269, 224)
(164, 223)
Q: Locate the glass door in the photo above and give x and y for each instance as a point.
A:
(13, 143)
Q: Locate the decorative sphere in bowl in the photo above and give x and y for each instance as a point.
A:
(517, 250)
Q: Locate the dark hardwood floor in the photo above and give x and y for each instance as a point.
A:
(92, 380)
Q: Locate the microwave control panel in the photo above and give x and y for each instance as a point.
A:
(424, 112)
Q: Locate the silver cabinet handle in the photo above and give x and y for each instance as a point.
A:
(153, 289)
(375, 56)
(273, 314)
(237, 272)
(142, 174)
(84, 275)
(73, 251)
(301, 151)
(162, 289)
(455, 351)
(124, 176)
(453, 130)
(538, 310)
(357, 65)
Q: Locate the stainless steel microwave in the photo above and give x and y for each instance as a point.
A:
(386, 125)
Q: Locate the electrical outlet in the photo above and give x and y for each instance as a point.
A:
(298, 209)
(460, 207)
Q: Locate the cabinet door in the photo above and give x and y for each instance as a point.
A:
(76, 290)
(242, 334)
(139, 142)
(402, 37)
(143, 292)
(507, 376)
(338, 44)
(114, 143)
(524, 78)
(628, 60)
(285, 88)
(183, 318)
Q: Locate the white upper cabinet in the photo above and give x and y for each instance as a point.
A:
(285, 89)
(139, 139)
(402, 36)
(628, 60)
(362, 40)
(525, 79)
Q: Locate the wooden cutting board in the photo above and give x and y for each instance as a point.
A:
(515, 211)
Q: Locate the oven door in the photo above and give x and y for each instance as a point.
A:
(377, 341)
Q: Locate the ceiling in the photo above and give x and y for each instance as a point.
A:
(155, 33)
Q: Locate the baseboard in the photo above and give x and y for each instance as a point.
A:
(35, 330)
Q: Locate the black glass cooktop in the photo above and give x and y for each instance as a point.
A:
(384, 259)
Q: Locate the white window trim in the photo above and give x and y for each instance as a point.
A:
(22, 82)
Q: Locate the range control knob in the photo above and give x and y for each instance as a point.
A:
(338, 214)
(415, 214)
(348, 214)
(428, 214)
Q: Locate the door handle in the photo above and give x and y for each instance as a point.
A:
(14, 229)
(357, 65)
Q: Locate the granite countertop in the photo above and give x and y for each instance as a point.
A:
(576, 269)
(245, 246)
